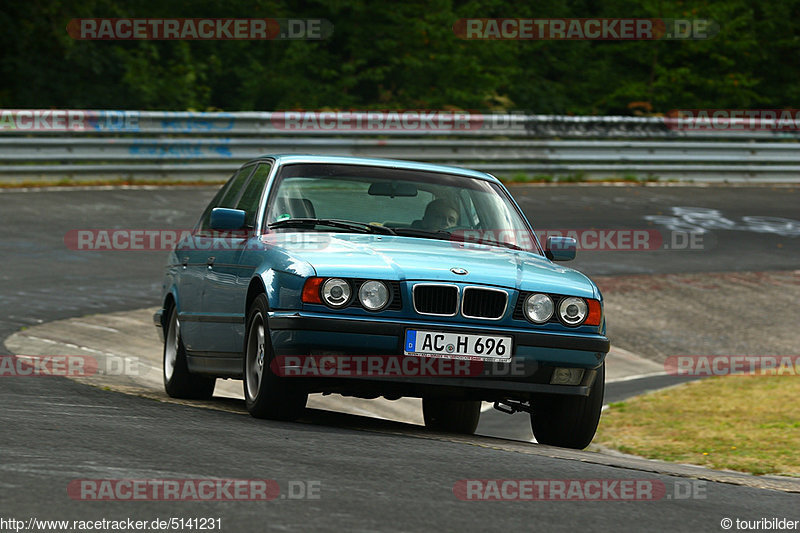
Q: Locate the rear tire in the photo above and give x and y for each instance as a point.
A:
(455, 416)
(178, 381)
(266, 394)
(569, 421)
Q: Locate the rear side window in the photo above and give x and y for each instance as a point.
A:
(251, 198)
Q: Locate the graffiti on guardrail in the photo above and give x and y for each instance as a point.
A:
(555, 126)
(181, 150)
(180, 122)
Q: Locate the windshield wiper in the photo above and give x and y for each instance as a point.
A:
(503, 244)
(332, 222)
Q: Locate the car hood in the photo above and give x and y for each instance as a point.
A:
(389, 257)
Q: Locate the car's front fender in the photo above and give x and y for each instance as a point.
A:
(283, 289)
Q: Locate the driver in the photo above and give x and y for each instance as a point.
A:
(440, 215)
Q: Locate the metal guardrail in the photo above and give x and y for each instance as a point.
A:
(184, 145)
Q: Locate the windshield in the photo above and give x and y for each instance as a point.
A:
(408, 202)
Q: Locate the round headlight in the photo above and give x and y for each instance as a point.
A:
(373, 295)
(539, 308)
(336, 292)
(572, 311)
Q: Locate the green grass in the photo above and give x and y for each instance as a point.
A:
(744, 423)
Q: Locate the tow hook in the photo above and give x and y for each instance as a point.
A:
(511, 406)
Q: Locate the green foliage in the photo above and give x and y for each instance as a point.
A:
(572, 178)
(402, 55)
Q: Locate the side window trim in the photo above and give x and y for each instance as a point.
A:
(267, 197)
(256, 174)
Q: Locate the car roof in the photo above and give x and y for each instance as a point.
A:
(285, 159)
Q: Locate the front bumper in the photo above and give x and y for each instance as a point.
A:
(535, 354)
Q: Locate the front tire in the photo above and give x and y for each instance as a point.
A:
(453, 416)
(266, 394)
(569, 421)
(178, 381)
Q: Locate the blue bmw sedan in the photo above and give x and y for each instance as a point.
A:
(381, 278)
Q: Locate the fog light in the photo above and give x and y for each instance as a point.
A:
(566, 376)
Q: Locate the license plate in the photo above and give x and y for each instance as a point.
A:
(457, 345)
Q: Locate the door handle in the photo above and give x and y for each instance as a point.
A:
(210, 261)
(185, 261)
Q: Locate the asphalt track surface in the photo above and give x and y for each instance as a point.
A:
(373, 475)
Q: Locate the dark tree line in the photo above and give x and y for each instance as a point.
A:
(393, 55)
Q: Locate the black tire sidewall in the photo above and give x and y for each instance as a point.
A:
(258, 305)
(569, 421)
(457, 416)
(276, 398)
(182, 384)
(176, 384)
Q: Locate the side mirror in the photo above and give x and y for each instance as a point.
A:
(560, 248)
(224, 219)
